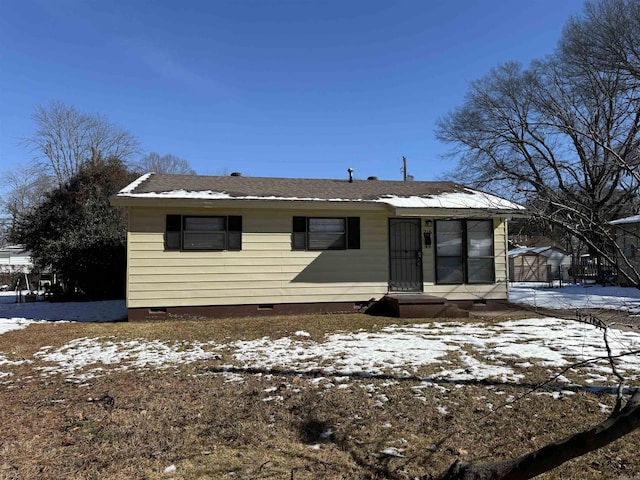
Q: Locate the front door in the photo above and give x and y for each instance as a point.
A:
(405, 255)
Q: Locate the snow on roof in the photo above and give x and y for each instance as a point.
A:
(135, 184)
(394, 193)
(13, 250)
(467, 198)
(626, 220)
(526, 250)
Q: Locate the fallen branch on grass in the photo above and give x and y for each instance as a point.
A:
(620, 423)
(554, 454)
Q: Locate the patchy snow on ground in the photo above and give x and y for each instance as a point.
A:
(8, 324)
(401, 350)
(457, 351)
(453, 351)
(85, 358)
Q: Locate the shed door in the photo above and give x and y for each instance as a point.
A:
(530, 268)
(405, 255)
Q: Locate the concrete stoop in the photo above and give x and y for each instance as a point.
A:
(419, 305)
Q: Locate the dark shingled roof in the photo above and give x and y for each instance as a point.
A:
(240, 186)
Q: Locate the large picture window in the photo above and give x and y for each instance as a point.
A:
(203, 232)
(325, 233)
(464, 251)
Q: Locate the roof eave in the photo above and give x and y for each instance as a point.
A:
(316, 204)
(257, 203)
(456, 212)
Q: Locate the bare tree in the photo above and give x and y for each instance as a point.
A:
(607, 35)
(26, 187)
(66, 139)
(5, 226)
(154, 162)
(561, 136)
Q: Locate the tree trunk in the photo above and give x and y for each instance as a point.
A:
(554, 454)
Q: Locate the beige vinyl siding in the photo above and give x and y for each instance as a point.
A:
(500, 236)
(268, 271)
(265, 271)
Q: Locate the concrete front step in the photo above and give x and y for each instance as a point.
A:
(415, 305)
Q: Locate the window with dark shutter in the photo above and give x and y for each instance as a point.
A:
(203, 232)
(325, 233)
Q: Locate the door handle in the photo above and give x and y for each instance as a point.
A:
(419, 257)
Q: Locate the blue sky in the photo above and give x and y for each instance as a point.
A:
(303, 88)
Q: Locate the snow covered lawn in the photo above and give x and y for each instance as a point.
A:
(453, 351)
(105, 311)
(443, 351)
(576, 296)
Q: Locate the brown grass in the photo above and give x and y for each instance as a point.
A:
(134, 424)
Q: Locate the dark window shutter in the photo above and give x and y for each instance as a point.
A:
(234, 232)
(173, 233)
(299, 233)
(234, 223)
(174, 223)
(353, 233)
(299, 224)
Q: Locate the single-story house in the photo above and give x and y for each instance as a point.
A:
(627, 234)
(238, 245)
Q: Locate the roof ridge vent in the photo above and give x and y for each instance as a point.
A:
(236, 174)
(373, 177)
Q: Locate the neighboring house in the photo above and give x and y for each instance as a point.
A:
(627, 233)
(244, 245)
(538, 264)
(14, 259)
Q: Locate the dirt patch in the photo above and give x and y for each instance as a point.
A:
(200, 420)
(137, 425)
